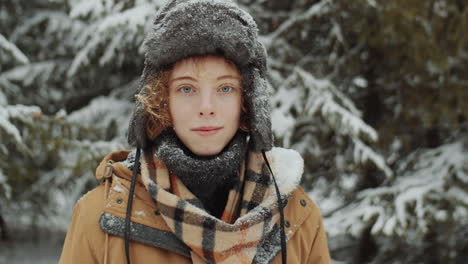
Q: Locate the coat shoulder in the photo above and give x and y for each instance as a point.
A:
(84, 237)
(306, 232)
(302, 209)
(93, 201)
(87, 211)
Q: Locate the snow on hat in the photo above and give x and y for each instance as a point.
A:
(186, 28)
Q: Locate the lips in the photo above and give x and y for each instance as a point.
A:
(207, 130)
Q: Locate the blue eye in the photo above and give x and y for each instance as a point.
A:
(226, 89)
(186, 89)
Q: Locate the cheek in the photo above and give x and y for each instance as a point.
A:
(233, 110)
(176, 110)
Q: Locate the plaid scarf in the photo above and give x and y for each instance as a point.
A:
(251, 211)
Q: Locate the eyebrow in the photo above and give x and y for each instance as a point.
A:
(182, 78)
(193, 79)
(228, 77)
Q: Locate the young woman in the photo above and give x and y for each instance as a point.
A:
(205, 184)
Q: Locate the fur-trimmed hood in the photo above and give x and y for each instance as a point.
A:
(287, 166)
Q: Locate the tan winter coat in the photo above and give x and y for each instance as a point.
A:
(105, 206)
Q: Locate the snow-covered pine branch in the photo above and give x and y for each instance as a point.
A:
(59, 154)
(9, 130)
(429, 189)
(10, 135)
(10, 52)
(56, 25)
(302, 96)
(106, 114)
(317, 9)
(5, 188)
(68, 180)
(39, 72)
(111, 34)
(39, 79)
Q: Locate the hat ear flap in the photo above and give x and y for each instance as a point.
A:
(137, 128)
(261, 57)
(261, 137)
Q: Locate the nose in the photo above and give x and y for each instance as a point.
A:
(207, 105)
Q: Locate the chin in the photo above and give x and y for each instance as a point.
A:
(206, 151)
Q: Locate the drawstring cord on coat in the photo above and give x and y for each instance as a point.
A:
(129, 205)
(106, 246)
(132, 190)
(108, 172)
(280, 205)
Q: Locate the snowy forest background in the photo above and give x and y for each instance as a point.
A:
(372, 93)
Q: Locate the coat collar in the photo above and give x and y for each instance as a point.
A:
(287, 166)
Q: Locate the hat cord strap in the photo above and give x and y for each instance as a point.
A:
(280, 205)
(127, 230)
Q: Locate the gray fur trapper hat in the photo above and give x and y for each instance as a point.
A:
(186, 28)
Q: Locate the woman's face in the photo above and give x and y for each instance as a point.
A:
(205, 103)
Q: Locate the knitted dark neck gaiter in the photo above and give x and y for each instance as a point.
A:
(209, 178)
